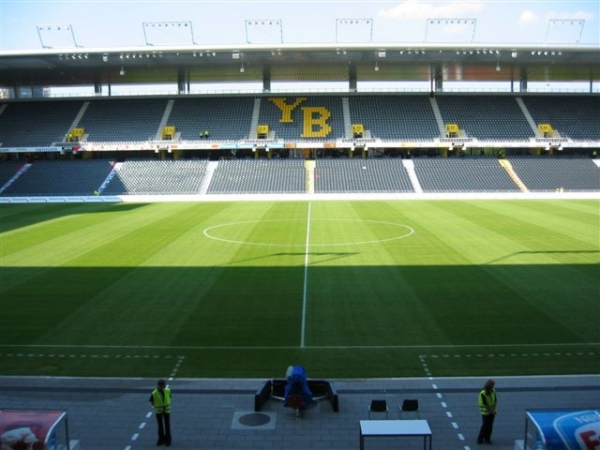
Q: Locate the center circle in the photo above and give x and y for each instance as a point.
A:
(321, 232)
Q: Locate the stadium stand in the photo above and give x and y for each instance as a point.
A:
(225, 118)
(486, 116)
(58, 178)
(574, 117)
(132, 119)
(8, 170)
(395, 116)
(157, 178)
(305, 118)
(458, 174)
(320, 118)
(258, 177)
(36, 123)
(561, 173)
(361, 175)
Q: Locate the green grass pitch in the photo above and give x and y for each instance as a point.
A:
(346, 288)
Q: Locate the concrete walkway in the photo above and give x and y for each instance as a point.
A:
(114, 414)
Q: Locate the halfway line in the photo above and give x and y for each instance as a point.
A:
(305, 285)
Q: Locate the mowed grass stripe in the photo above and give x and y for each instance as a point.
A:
(574, 226)
(159, 281)
(462, 292)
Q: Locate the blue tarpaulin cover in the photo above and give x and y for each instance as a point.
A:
(565, 429)
(297, 384)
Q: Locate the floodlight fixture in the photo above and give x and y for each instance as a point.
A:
(376, 67)
(566, 31)
(60, 33)
(122, 71)
(264, 31)
(463, 28)
(242, 68)
(168, 30)
(354, 30)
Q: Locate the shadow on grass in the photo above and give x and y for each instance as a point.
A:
(34, 213)
(348, 321)
(545, 252)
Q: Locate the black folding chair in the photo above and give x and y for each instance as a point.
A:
(410, 406)
(378, 406)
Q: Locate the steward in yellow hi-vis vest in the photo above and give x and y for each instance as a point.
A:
(161, 402)
(487, 407)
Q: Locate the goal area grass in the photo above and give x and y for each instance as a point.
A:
(348, 289)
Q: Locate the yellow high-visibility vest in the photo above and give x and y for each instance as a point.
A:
(486, 401)
(161, 401)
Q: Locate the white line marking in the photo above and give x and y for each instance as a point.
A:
(142, 425)
(305, 283)
(134, 437)
(291, 347)
(461, 437)
(410, 231)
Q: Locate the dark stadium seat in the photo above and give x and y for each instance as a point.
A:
(395, 116)
(574, 117)
(486, 116)
(225, 118)
(118, 120)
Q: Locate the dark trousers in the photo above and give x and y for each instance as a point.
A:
(164, 428)
(487, 426)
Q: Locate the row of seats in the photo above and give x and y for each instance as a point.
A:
(122, 120)
(225, 118)
(183, 177)
(56, 178)
(486, 116)
(395, 117)
(391, 117)
(575, 117)
(559, 174)
(319, 117)
(81, 177)
(463, 175)
(361, 176)
(258, 177)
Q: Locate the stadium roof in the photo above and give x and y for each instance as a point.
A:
(302, 63)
